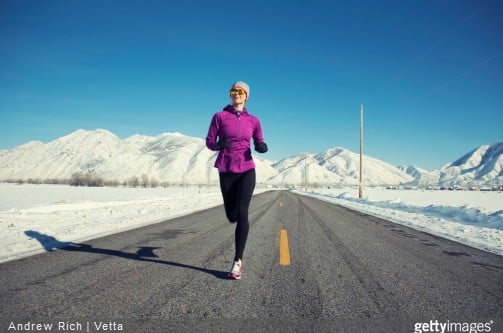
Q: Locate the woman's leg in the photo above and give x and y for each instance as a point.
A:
(229, 186)
(245, 187)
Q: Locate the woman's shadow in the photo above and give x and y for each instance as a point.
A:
(144, 253)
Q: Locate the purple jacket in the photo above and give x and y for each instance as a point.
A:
(238, 128)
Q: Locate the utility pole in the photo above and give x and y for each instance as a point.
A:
(305, 172)
(360, 191)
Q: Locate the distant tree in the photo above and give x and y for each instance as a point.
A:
(154, 183)
(144, 181)
(76, 179)
(86, 179)
(133, 181)
(112, 183)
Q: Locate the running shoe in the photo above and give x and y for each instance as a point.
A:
(236, 270)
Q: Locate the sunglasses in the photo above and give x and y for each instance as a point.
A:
(237, 92)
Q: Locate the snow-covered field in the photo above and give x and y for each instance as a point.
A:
(76, 214)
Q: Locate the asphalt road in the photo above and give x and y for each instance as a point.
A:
(348, 271)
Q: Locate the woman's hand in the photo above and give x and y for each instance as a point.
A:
(261, 147)
(223, 143)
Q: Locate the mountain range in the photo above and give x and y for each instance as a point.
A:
(479, 167)
(181, 159)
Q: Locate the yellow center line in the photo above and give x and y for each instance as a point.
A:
(284, 252)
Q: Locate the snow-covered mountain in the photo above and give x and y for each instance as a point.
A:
(482, 166)
(302, 169)
(336, 166)
(412, 170)
(168, 157)
(177, 158)
(347, 165)
(103, 153)
(421, 176)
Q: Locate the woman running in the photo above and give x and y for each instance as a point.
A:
(230, 133)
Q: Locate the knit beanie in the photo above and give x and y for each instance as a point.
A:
(244, 86)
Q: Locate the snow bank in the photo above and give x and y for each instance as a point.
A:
(469, 217)
(76, 214)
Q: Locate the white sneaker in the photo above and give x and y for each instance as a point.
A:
(236, 270)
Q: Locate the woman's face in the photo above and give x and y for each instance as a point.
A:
(238, 95)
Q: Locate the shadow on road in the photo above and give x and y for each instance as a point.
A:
(146, 254)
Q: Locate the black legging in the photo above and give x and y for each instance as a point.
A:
(237, 190)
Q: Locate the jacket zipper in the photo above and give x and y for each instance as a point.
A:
(239, 126)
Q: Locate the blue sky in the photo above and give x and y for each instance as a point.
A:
(429, 73)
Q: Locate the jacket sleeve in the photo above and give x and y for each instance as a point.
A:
(211, 138)
(257, 132)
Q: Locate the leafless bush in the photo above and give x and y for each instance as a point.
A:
(86, 179)
(133, 181)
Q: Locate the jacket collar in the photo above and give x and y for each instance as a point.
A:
(231, 109)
